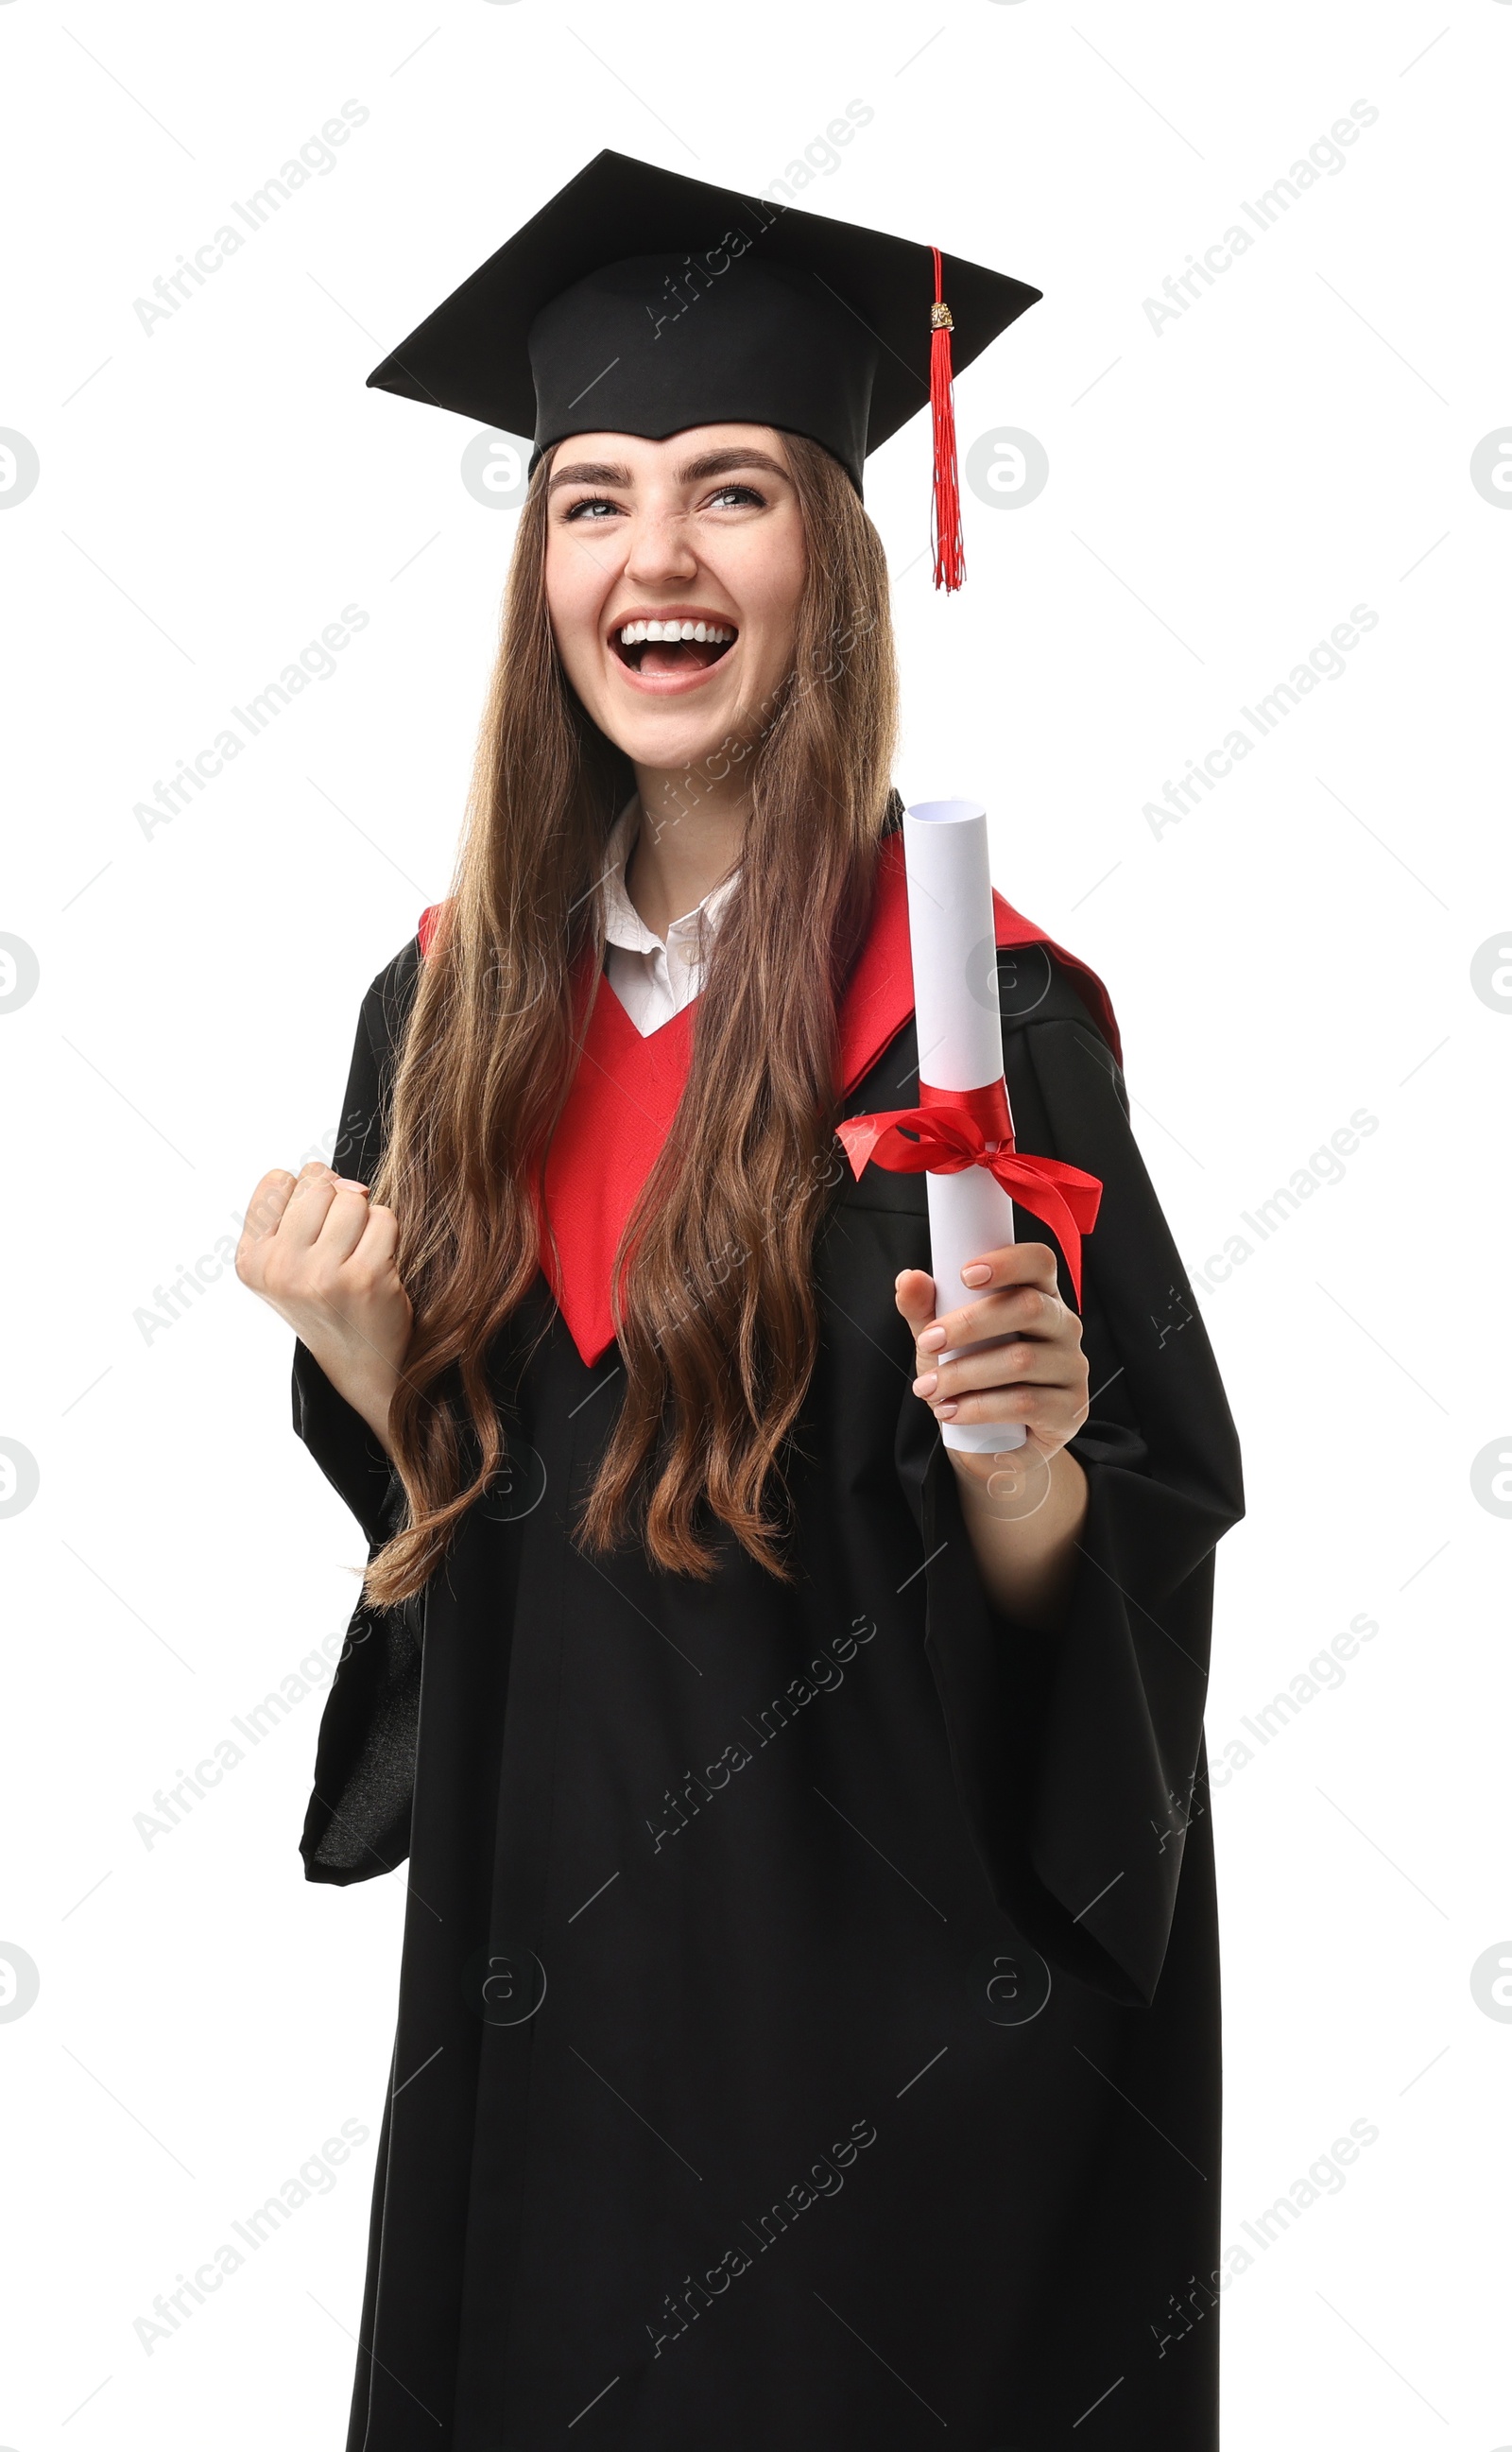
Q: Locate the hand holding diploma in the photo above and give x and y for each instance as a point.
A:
(961, 1134)
(1017, 1379)
(1015, 1353)
(1017, 1372)
(1003, 1373)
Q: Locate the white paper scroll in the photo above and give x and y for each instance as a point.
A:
(960, 1037)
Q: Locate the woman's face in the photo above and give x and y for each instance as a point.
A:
(698, 533)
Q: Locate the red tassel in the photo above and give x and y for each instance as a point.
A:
(949, 550)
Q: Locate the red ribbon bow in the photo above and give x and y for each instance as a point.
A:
(951, 1129)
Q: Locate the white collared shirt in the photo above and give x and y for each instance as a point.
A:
(652, 976)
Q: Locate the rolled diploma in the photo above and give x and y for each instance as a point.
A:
(960, 1038)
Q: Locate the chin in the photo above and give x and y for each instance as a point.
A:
(673, 737)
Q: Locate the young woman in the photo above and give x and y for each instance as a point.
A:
(808, 2022)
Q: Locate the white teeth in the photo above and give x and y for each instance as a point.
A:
(712, 633)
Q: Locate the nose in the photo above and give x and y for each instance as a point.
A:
(661, 549)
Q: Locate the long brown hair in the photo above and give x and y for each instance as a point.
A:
(713, 1289)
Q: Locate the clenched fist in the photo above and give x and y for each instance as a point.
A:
(322, 1255)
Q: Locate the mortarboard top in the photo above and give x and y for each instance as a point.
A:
(641, 302)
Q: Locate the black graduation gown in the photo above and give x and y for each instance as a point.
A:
(807, 2035)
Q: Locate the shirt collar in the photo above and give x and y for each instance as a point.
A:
(624, 924)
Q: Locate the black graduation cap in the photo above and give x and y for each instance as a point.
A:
(730, 309)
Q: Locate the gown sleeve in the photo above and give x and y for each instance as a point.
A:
(1078, 1755)
(358, 1821)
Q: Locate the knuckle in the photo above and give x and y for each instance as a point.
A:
(269, 1197)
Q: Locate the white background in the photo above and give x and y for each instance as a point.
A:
(1222, 492)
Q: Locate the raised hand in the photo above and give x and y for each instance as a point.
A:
(317, 1249)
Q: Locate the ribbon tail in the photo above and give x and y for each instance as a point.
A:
(1044, 1202)
(859, 1137)
(1062, 1198)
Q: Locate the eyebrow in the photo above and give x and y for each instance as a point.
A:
(709, 464)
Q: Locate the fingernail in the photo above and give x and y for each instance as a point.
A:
(932, 1340)
(350, 1183)
(927, 1385)
(975, 1273)
(946, 1412)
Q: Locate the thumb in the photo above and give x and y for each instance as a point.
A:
(914, 1293)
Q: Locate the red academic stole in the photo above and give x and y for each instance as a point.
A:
(626, 1091)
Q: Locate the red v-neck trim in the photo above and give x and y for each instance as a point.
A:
(623, 1098)
(626, 1090)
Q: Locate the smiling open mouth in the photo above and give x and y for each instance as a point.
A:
(672, 646)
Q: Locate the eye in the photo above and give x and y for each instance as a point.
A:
(591, 503)
(735, 497)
